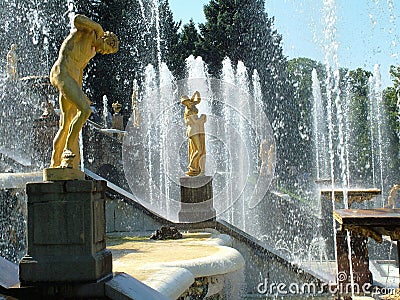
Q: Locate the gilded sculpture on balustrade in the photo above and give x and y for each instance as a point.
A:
(196, 135)
(86, 39)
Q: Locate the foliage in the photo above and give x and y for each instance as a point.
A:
(112, 75)
(359, 124)
(169, 37)
(300, 71)
(391, 99)
(189, 44)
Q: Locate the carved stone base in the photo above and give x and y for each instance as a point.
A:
(66, 233)
(56, 174)
(359, 259)
(196, 199)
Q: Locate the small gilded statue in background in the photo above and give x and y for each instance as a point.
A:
(195, 134)
(393, 198)
(135, 108)
(82, 44)
(266, 155)
(12, 61)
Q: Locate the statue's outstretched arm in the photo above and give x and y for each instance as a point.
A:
(82, 22)
(196, 99)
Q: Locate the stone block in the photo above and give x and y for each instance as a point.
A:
(196, 199)
(110, 215)
(63, 226)
(56, 174)
(66, 233)
(359, 259)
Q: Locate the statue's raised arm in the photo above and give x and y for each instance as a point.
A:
(196, 99)
(82, 22)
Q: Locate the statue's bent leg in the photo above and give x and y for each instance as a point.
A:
(66, 116)
(73, 93)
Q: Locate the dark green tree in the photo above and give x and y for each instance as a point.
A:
(358, 119)
(169, 37)
(391, 100)
(189, 44)
(300, 77)
(112, 75)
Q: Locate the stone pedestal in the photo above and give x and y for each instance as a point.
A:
(117, 121)
(196, 199)
(63, 174)
(359, 259)
(66, 233)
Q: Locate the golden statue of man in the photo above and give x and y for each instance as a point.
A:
(82, 44)
(196, 135)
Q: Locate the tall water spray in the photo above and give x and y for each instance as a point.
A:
(377, 131)
(334, 102)
(228, 76)
(244, 84)
(232, 140)
(197, 69)
(319, 127)
(156, 17)
(106, 113)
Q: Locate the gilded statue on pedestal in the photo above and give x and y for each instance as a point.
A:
(135, 108)
(195, 134)
(393, 198)
(12, 61)
(82, 44)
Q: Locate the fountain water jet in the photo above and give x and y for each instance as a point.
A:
(233, 142)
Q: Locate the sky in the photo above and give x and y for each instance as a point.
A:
(367, 31)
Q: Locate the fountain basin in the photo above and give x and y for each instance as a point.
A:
(198, 258)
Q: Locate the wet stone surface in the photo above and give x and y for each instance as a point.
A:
(12, 224)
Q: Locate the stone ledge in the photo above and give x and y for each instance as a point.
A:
(171, 281)
(124, 286)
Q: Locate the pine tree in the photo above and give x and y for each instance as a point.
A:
(169, 37)
(189, 44)
(359, 124)
(300, 77)
(391, 100)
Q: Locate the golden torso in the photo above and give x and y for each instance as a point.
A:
(75, 53)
